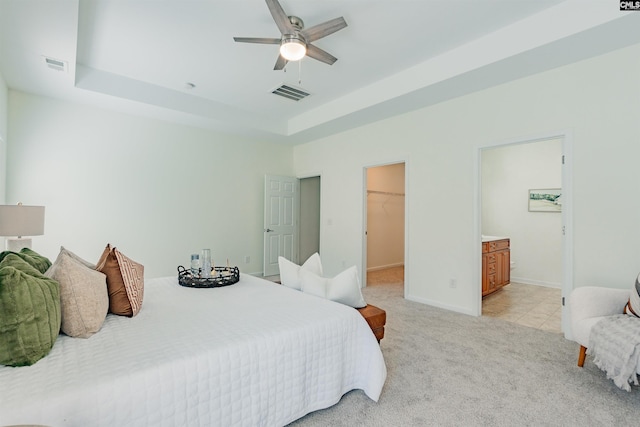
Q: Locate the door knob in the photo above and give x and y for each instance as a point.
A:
(268, 230)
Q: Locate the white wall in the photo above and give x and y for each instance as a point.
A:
(385, 216)
(595, 99)
(508, 173)
(156, 190)
(4, 101)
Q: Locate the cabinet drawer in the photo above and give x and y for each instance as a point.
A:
(501, 244)
(491, 258)
(496, 245)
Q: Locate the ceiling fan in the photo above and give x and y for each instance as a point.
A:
(295, 41)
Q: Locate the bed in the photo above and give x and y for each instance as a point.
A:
(252, 354)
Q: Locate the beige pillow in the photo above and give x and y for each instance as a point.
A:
(83, 295)
(77, 258)
(125, 282)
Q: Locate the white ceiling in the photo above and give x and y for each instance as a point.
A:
(137, 56)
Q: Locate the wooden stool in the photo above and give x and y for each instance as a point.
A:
(376, 318)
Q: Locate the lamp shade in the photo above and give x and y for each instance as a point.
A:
(20, 220)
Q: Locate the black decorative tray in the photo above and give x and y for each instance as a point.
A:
(220, 276)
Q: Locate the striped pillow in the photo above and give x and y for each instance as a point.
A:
(633, 306)
(125, 282)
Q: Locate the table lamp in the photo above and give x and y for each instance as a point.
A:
(17, 221)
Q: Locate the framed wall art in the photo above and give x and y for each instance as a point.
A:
(545, 200)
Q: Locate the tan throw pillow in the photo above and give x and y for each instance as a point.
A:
(84, 301)
(125, 282)
(77, 258)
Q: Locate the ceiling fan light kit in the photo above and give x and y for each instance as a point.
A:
(295, 40)
(293, 48)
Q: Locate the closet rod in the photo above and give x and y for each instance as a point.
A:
(388, 193)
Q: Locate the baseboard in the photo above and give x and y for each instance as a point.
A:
(455, 308)
(384, 267)
(526, 281)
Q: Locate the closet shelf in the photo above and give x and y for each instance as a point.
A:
(386, 193)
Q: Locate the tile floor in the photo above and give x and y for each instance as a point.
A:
(529, 305)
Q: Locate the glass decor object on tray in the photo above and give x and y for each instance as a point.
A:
(219, 276)
(206, 263)
(195, 264)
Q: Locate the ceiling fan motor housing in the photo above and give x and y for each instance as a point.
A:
(297, 23)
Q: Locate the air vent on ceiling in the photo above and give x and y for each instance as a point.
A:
(290, 92)
(55, 64)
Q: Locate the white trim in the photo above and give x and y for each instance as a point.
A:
(567, 223)
(477, 229)
(438, 304)
(534, 282)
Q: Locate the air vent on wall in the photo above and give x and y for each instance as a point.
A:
(290, 92)
(55, 64)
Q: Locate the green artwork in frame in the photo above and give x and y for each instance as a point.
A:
(545, 200)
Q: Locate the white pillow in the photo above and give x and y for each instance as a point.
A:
(344, 288)
(290, 272)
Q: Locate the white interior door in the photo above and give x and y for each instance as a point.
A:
(281, 195)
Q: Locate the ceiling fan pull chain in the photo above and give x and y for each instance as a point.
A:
(300, 72)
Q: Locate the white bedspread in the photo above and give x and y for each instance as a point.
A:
(251, 354)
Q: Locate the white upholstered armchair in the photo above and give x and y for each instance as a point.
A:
(590, 304)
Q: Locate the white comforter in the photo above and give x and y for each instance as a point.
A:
(251, 354)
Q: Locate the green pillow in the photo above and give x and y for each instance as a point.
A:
(14, 259)
(32, 257)
(29, 313)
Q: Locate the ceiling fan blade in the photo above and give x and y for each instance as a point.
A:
(261, 40)
(281, 18)
(280, 63)
(319, 54)
(322, 30)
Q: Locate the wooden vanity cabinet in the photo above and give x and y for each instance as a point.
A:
(496, 265)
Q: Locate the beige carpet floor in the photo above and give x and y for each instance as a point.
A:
(450, 369)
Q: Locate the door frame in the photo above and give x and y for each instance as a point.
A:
(566, 136)
(363, 274)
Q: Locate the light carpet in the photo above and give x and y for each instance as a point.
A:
(449, 369)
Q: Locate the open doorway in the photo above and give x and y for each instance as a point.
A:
(309, 236)
(530, 235)
(385, 225)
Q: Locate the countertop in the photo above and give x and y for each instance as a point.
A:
(492, 238)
